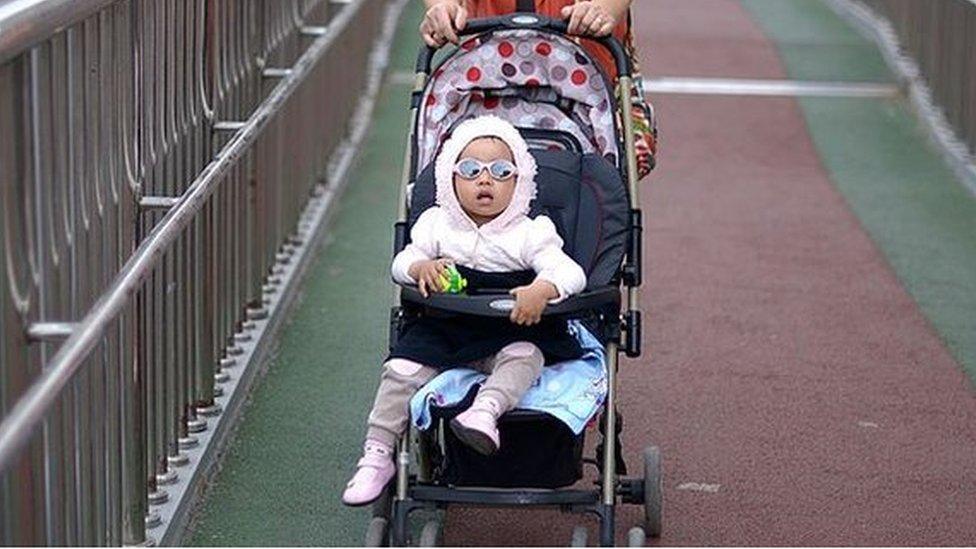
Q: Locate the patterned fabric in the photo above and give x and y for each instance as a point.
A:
(529, 78)
(553, 8)
(645, 124)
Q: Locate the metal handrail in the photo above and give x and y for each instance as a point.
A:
(939, 37)
(25, 23)
(16, 428)
(157, 159)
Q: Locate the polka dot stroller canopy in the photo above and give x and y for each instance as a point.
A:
(531, 78)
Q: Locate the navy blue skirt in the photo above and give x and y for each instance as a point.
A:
(445, 342)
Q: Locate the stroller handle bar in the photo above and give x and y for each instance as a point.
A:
(528, 21)
(501, 304)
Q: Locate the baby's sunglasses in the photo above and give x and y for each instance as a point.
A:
(471, 168)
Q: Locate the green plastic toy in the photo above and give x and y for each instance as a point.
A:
(452, 282)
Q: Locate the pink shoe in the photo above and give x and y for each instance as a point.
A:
(373, 473)
(477, 426)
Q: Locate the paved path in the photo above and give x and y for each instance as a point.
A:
(808, 278)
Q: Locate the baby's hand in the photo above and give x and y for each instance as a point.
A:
(427, 273)
(531, 300)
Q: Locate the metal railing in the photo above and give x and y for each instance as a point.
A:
(155, 156)
(941, 36)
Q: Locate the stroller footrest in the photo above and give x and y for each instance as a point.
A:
(502, 496)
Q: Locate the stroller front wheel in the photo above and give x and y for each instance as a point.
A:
(579, 536)
(377, 533)
(431, 535)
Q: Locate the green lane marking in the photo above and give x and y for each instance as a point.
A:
(878, 156)
(816, 44)
(301, 433)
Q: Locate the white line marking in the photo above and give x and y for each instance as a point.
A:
(791, 88)
(867, 424)
(402, 77)
(699, 487)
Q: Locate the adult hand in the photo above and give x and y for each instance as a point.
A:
(428, 273)
(531, 300)
(441, 23)
(589, 19)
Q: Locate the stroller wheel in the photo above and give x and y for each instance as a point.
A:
(579, 536)
(430, 536)
(377, 533)
(653, 500)
(636, 537)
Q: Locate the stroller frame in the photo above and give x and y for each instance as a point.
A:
(410, 492)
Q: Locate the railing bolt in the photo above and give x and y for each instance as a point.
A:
(153, 520)
(257, 313)
(189, 441)
(169, 477)
(227, 362)
(197, 425)
(180, 459)
(313, 31)
(158, 202)
(228, 126)
(274, 72)
(221, 377)
(158, 497)
(211, 410)
(50, 331)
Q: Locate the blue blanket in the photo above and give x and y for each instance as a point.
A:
(571, 391)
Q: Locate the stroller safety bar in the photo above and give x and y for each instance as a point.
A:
(500, 304)
(517, 21)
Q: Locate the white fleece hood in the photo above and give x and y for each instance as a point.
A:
(465, 133)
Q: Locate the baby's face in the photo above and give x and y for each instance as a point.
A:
(484, 197)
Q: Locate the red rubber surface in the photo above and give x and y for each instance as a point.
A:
(785, 367)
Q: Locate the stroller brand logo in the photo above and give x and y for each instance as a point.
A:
(502, 304)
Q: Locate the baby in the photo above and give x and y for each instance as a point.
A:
(485, 182)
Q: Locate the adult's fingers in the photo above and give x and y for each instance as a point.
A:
(587, 22)
(605, 29)
(427, 34)
(461, 18)
(444, 25)
(422, 287)
(574, 21)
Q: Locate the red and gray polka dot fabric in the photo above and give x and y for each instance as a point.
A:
(530, 78)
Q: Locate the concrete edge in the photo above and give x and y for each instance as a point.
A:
(876, 28)
(187, 493)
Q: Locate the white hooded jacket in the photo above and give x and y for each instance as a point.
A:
(509, 242)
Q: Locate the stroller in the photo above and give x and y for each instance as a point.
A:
(524, 69)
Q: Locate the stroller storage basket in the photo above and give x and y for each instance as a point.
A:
(536, 451)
